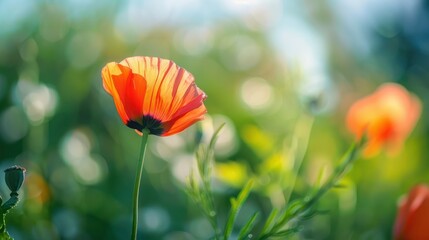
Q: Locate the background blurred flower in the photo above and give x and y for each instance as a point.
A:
(386, 117)
(411, 221)
(154, 93)
(232, 173)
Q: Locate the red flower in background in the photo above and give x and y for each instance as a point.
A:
(387, 117)
(412, 220)
(154, 93)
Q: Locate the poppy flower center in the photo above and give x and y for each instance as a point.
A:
(154, 125)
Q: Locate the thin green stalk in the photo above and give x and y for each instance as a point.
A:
(137, 183)
(306, 123)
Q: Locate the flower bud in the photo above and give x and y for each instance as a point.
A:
(14, 177)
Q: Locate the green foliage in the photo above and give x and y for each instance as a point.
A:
(5, 236)
(203, 195)
(236, 204)
(245, 231)
(276, 225)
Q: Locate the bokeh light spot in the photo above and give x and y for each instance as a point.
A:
(13, 124)
(155, 219)
(88, 168)
(256, 93)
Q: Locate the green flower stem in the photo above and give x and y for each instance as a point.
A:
(299, 149)
(137, 183)
(347, 162)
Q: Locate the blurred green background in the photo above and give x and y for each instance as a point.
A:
(280, 74)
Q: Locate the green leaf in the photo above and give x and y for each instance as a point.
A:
(245, 231)
(308, 214)
(236, 204)
(268, 224)
(215, 136)
(285, 233)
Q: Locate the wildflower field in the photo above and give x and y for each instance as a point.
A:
(225, 120)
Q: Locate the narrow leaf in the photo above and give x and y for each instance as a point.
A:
(248, 227)
(268, 224)
(285, 233)
(236, 204)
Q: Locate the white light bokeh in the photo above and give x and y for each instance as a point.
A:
(227, 142)
(300, 46)
(88, 168)
(40, 103)
(168, 147)
(303, 49)
(256, 93)
(200, 228)
(182, 166)
(154, 219)
(38, 100)
(13, 124)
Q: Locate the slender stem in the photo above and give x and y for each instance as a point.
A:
(137, 183)
(302, 136)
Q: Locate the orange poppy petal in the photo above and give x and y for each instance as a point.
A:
(154, 93)
(184, 121)
(134, 93)
(387, 116)
(107, 74)
(167, 86)
(127, 90)
(189, 104)
(411, 221)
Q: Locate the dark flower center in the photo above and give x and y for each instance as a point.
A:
(149, 122)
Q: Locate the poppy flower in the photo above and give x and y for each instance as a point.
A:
(154, 93)
(386, 117)
(412, 217)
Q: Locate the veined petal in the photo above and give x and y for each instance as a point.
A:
(166, 86)
(154, 93)
(135, 90)
(107, 74)
(189, 102)
(128, 90)
(180, 124)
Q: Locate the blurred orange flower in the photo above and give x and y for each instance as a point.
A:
(386, 117)
(412, 218)
(154, 93)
